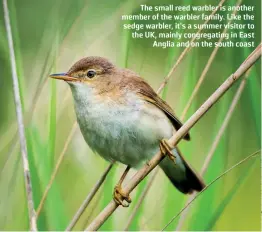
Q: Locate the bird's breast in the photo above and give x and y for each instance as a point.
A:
(127, 132)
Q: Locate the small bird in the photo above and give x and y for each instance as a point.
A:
(123, 119)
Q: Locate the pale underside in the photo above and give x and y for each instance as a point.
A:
(129, 134)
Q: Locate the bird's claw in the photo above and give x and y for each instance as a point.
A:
(120, 197)
(166, 150)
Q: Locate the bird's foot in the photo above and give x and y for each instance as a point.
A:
(120, 197)
(167, 150)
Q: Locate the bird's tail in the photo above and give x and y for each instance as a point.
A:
(182, 176)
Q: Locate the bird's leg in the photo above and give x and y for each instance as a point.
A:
(119, 195)
(167, 150)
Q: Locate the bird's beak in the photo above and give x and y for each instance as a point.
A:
(63, 76)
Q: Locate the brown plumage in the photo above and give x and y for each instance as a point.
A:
(123, 119)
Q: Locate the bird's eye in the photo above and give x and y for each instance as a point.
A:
(91, 73)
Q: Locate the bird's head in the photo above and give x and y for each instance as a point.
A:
(89, 70)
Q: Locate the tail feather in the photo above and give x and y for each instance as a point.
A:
(182, 176)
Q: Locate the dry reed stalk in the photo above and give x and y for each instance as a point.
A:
(19, 114)
(173, 141)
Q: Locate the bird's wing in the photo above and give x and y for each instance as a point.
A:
(148, 94)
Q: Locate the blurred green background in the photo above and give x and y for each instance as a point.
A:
(49, 36)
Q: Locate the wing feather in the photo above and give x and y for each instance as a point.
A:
(142, 88)
(149, 95)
